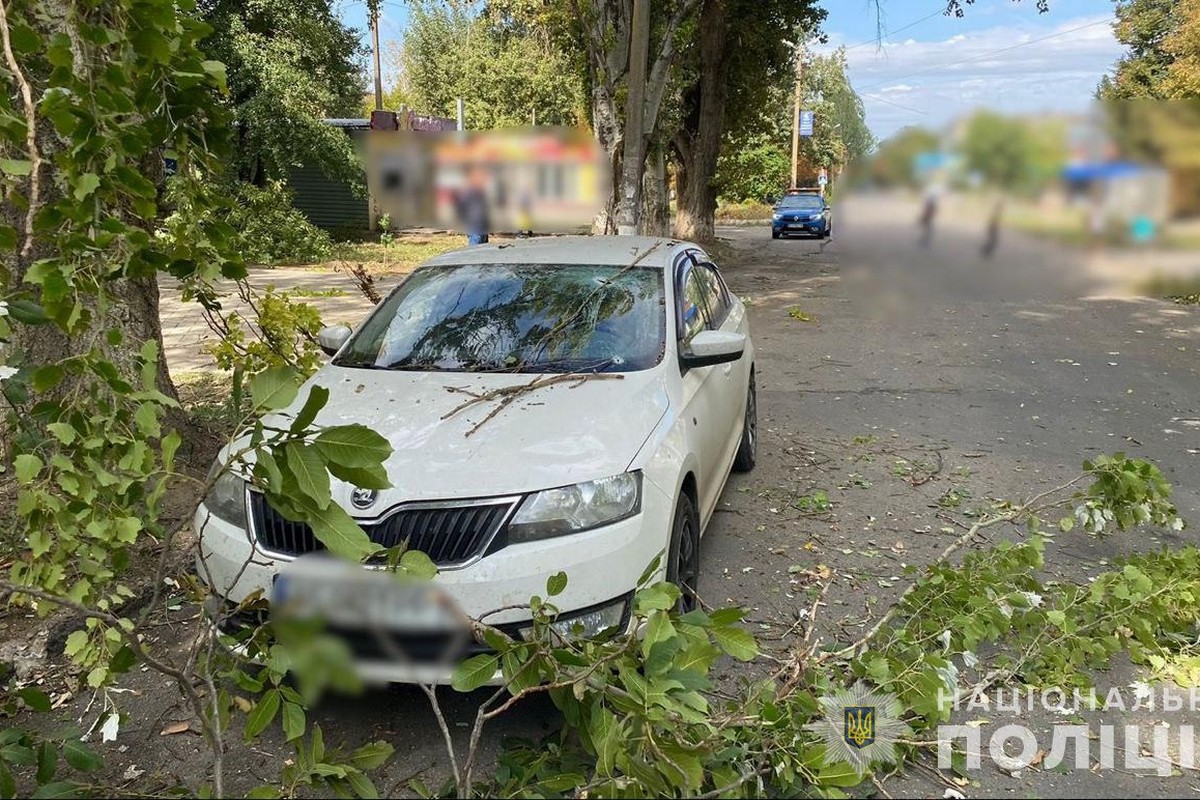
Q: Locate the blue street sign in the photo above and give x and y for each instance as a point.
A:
(806, 123)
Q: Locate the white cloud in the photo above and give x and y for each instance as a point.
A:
(1008, 68)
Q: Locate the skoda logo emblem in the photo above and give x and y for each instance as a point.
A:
(363, 498)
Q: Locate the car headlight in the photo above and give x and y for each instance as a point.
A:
(227, 499)
(776, 216)
(586, 624)
(575, 508)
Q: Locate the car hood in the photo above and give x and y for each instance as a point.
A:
(554, 435)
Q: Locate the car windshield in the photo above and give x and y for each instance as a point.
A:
(802, 202)
(516, 318)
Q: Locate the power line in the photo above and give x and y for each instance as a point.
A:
(894, 103)
(978, 56)
(879, 39)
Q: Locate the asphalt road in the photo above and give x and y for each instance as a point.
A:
(890, 377)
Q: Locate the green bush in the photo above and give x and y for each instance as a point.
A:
(272, 231)
(267, 227)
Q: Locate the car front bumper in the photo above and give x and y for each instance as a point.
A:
(814, 227)
(602, 566)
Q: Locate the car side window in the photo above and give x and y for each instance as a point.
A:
(719, 293)
(694, 303)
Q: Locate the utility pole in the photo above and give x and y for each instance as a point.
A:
(374, 13)
(796, 114)
(461, 114)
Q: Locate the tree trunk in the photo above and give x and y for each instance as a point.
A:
(656, 208)
(696, 203)
(633, 157)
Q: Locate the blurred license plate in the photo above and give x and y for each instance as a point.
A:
(349, 595)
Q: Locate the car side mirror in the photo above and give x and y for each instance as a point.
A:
(713, 347)
(331, 338)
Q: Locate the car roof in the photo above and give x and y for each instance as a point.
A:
(615, 250)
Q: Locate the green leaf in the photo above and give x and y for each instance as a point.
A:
(265, 792)
(47, 763)
(34, 698)
(80, 756)
(556, 583)
(418, 565)
(293, 721)
(146, 419)
(372, 477)
(263, 714)
(353, 446)
(658, 628)
(338, 531)
(170, 445)
(27, 467)
(474, 672)
(27, 312)
(362, 786)
(318, 396)
(17, 167)
(62, 431)
(274, 388)
(308, 468)
(372, 755)
(46, 378)
(87, 183)
(735, 642)
(55, 790)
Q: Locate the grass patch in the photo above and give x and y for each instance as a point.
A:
(744, 211)
(205, 396)
(1185, 291)
(400, 256)
(796, 313)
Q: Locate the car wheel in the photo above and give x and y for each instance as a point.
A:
(774, 234)
(747, 450)
(683, 558)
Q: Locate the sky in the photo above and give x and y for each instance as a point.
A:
(927, 68)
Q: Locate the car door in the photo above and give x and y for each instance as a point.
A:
(730, 385)
(701, 385)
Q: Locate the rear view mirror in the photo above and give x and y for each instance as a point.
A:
(713, 347)
(331, 338)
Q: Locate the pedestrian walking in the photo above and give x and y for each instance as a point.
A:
(992, 237)
(928, 215)
(472, 206)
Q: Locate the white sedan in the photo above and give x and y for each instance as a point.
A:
(595, 475)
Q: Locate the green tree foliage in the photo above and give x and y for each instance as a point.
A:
(1011, 153)
(892, 165)
(505, 71)
(754, 170)
(1144, 26)
(290, 64)
(840, 132)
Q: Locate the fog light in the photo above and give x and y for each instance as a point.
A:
(586, 624)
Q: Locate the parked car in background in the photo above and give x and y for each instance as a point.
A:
(801, 213)
(595, 476)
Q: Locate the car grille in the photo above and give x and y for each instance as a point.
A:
(448, 534)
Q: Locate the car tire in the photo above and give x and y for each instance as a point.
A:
(748, 448)
(683, 556)
(774, 234)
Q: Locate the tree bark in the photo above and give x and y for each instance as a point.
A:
(629, 190)
(656, 208)
(696, 202)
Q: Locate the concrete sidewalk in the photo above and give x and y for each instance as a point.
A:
(187, 339)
